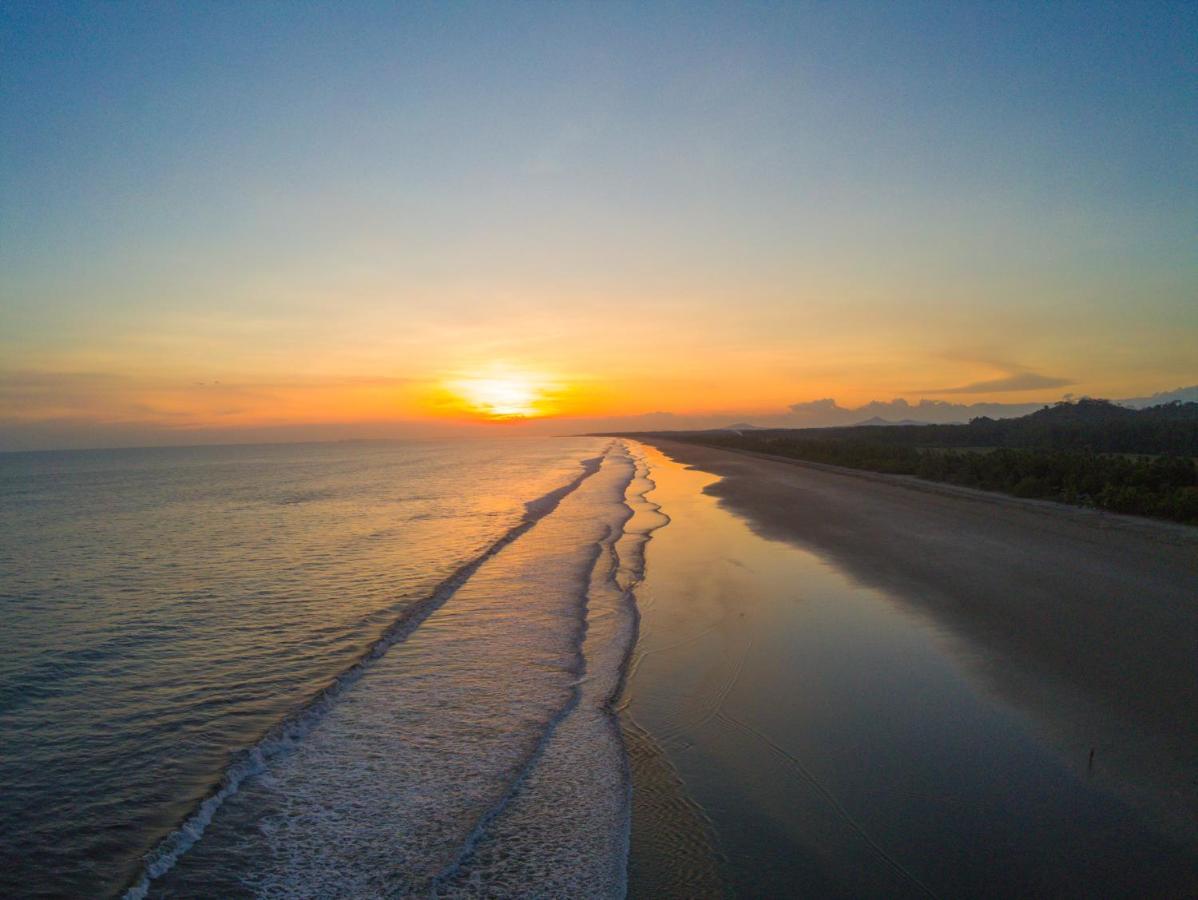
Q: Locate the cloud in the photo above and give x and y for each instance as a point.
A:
(824, 413)
(816, 406)
(1178, 395)
(95, 398)
(1015, 381)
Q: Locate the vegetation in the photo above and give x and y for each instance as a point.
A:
(1095, 425)
(1089, 453)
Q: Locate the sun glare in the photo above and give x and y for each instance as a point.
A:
(502, 396)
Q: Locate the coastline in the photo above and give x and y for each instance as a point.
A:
(546, 801)
(1161, 530)
(1078, 627)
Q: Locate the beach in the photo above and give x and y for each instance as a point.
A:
(588, 667)
(871, 687)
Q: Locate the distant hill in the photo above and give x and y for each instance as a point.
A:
(1086, 452)
(1095, 425)
(879, 421)
(741, 426)
(827, 413)
(1180, 395)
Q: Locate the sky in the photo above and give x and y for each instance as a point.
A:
(248, 219)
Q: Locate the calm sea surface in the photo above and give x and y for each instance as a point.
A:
(171, 618)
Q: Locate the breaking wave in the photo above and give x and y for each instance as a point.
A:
(289, 735)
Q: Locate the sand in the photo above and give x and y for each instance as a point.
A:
(1085, 622)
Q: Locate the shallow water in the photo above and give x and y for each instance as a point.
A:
(841, 744)
(172, 617)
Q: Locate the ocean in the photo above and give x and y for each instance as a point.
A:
(299, 670)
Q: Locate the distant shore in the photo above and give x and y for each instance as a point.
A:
(1086, 620)
(1152, 529)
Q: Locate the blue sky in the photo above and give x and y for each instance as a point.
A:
(865, 200)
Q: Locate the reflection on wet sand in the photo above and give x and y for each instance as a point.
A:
(845, 741)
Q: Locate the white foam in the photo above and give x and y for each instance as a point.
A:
(289, 736)
(564, 831)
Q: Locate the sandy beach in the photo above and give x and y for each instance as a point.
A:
(947, 661)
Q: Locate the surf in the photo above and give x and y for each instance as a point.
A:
(473, 748)
(565, 825)
(289, 734)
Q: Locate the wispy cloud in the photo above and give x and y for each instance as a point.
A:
(1009, 377)
(1016, 381)
(94, 397)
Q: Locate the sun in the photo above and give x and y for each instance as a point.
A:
(500, 397)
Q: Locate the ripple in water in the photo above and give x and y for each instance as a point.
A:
(477, 755)
(166, 609)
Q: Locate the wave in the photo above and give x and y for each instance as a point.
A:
(292, 729)
(564, 823)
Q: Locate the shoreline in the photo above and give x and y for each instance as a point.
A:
(870, 690)
(1083, 618)
(279, 740)
(1154, 528)
(671, 846)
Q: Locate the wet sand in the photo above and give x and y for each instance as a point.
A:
(872, 689)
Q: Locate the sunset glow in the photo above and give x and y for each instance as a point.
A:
(501, 397)
(331, 238)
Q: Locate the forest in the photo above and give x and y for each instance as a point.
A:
(1087, 453)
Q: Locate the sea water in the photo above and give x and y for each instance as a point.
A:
(310, 670)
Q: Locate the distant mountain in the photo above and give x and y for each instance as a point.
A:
(1089, 412)
(741, 426)
(878, 420)
(1088, 452)
(1096, 425)
(1180, 395)
(828, 413)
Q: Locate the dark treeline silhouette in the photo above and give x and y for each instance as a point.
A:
(1095, 425)
(1088, 453)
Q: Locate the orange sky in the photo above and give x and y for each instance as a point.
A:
(718, 215)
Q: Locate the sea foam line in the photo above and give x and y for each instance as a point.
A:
(286, 733)
(476, 834)
(605, 546)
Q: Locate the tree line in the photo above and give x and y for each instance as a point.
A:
(1088, 453)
